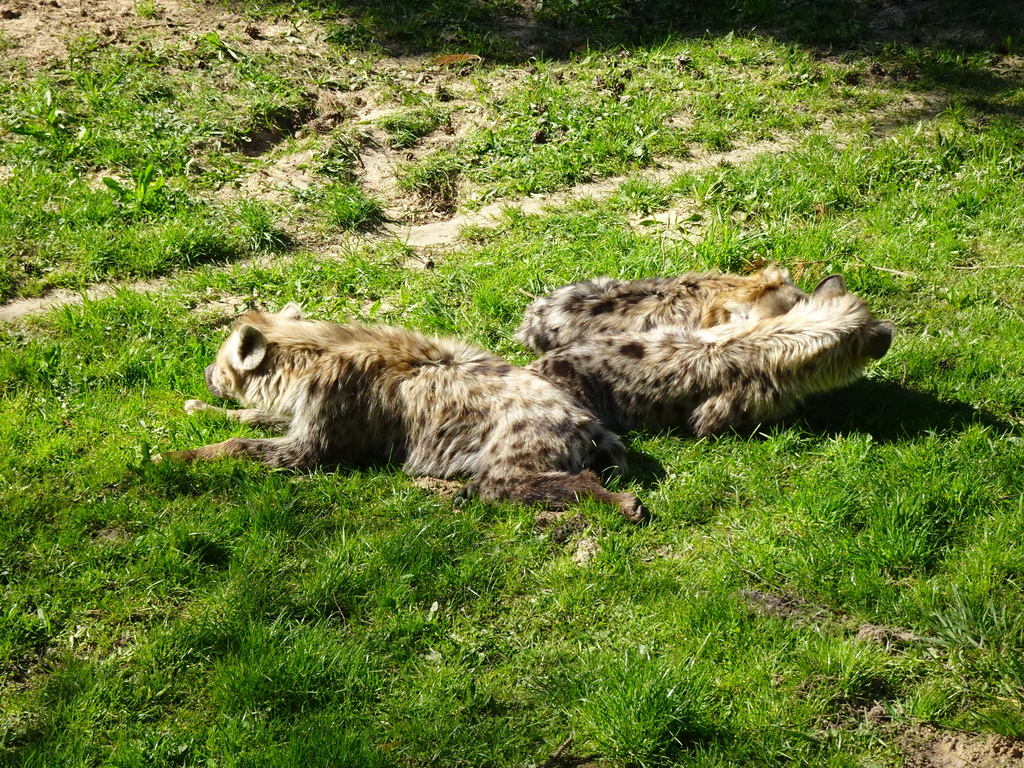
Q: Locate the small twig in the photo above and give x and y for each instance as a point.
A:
(899, 272)
(527, 294)
(990, 266)
(549, 763)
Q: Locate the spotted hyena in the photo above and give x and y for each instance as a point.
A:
(734, 375)
(693, 300)
(352, 393)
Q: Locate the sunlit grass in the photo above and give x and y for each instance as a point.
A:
(864, 556)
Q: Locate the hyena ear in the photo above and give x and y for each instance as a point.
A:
(830, 287)
(291, 311)
(250, 348)
(880, 339)
(775, 274)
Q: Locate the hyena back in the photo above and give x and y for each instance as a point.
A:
(352, 393)
(731, 376)
(693, 300)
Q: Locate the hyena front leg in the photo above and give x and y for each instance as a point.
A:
(555, 490)
(243, 415)
(272, 451)
(305, 446)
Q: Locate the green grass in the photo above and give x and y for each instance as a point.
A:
(345, 206)
(231, 614)
(405, 126)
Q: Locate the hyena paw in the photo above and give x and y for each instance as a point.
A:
(173, 456)
(633, 509)
(467, 492)
(195, 406)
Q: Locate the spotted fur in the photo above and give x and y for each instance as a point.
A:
(352, 393)
(693, 300)
(735, 375)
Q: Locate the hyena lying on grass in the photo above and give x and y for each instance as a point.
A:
(693, 300)
(351, 393)
(735, 375)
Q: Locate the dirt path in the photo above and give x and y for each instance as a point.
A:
(436, 233)
(445, 232)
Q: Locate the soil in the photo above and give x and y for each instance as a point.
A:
(927, 747)
(446, 489)
(801, 612)
(586, 550)
(563, 524)
(791, 607)
(39, 30)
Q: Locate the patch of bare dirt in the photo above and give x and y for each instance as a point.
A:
(22, 672)
(914, 108)
(681, 222)
(378, 164)
(586, 550)
(40, 30)
(927, 747)
(19, 308)
(378, 167)
(801, 612)
(890, 638)
(446, 489)
(222, 307)
(277, 180)
(563, 525)
(665, 552)
(445, 232)
(111, 536)
(785, 606)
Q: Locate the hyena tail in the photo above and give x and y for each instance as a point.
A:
(608, 454)
(556, 490)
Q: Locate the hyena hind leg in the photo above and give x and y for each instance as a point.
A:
(556, 490)
(243, 415)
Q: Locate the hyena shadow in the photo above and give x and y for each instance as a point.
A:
(645, 471)
(891, 413)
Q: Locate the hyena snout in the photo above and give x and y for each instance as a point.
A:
(880, 339)
(211, 385)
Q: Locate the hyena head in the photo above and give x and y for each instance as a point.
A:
(244, 352)
(876, 339)
(860, 336)
(875, 336)
(768, 293)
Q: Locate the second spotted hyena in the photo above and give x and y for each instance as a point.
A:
(735, 375)
(352, 393)
(693, 300)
